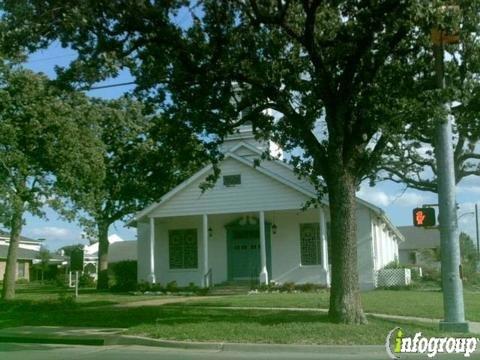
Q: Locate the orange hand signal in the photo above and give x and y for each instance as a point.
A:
(420, 216)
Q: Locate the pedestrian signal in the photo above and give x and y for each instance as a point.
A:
(424, 217)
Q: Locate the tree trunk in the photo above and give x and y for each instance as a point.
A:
(8, 291)
(102, 281)
(345, 303)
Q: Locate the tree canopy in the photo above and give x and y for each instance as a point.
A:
(335, 73)
(45, 144)
(144, 156)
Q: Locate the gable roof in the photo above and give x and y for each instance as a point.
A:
(6, 235)
(288, 178)
(22, 254)
(122, 251)
(419, 238)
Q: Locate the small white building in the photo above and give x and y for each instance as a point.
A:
(250, 226)
(90, 255)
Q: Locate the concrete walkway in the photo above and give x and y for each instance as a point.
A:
(164, 301)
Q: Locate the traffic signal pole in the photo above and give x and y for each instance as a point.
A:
(454, 312)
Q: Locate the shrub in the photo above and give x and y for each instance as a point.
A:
(287, 287)
(66, 300)
(86, 281)
(124, 275)
(143, 286)
(172, 286)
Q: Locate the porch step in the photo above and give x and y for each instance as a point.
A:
(231, 288)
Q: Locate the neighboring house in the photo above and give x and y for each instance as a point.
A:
(25, 242)
(28, 250)
(417, 242)
(122, 251)
(118, 250)
(251, 226)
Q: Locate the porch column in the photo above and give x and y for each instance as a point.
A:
(151, 277)
(324, 244)
(263, 251)
(205, 251)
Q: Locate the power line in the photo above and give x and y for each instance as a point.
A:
(108, 86)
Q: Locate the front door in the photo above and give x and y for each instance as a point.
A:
(243, 250)
(245, 254)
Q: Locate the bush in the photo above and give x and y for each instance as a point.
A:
(172, 286)
(123, 275)
(66, 300)
(289, 287)
(86, 281)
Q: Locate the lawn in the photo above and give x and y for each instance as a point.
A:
(202, 324)
(427, 304)
(200, 321)
(36, 292)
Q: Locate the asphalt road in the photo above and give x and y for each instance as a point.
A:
(64, 352)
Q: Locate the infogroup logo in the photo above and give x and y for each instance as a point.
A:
(397, 343)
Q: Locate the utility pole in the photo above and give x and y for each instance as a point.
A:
(478, 237)
(454, 311)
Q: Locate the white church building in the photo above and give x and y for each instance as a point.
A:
(250, 226)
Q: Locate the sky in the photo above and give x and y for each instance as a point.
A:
(397, 201)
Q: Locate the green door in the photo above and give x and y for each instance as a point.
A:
(243, 251)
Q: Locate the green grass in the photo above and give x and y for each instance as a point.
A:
(199, 321)
(202, 324)
(428, 304)
(36, 292)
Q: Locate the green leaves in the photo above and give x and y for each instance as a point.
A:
(42, 143)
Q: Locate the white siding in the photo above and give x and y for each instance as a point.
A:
(256, 192)
(286, 259)
(365, 249)
(143, 250)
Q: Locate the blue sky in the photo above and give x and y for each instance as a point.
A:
(393, 198)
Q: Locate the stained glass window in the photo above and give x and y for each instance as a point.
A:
(182, 249)
(310, 246)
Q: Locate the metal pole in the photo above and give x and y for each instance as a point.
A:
(454, 312)
(76, 284)
(476, 228)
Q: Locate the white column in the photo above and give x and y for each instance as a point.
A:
(324, 245)
(151, 278)
(263, 251)
(381, 259)
(375, 246)
(205, 251)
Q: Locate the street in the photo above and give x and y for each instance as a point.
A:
(54, 352)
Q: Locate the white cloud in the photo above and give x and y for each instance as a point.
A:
(469, 189)
(376, 197)
(51, 232)
(384, 199)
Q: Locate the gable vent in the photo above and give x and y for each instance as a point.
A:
(232, 180)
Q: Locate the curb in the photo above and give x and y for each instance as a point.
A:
(146, 341)
(53, 340)
(247, 347)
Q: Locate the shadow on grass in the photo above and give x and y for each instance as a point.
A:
(18, 313)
